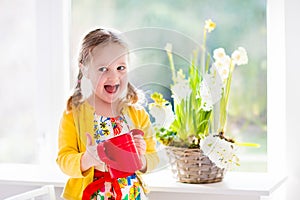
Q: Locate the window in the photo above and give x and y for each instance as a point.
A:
(34, 79)
(241, 23)
(37, 44)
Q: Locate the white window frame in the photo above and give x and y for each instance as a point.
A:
(52, 30)
(276, 84)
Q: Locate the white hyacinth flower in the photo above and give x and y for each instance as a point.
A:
(181, 88)
(210, 91)
(239, 56)
(163, 115)
(219, 151)
(206, 100)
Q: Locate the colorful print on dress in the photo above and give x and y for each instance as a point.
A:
(116, 125)
(130, 187)
(104, 193)
(100, 128)
(134, 192)
(107, 127)
(123, 182)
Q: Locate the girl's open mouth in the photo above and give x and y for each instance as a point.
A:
(111, 88)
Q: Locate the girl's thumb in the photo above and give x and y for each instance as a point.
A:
(88, 139)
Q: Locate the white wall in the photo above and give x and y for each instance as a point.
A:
(292, 13)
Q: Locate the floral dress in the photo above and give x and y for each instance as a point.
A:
(127, 188)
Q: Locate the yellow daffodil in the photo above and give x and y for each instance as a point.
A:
(209, 25)
(158, 99)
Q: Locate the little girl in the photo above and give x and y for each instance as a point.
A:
(108, 111)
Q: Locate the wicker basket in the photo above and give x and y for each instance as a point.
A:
(192, 166)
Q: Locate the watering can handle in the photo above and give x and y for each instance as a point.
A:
(137, 132)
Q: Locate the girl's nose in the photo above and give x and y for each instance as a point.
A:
(113, 74)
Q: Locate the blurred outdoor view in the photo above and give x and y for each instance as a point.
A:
(239, 23)
(147, 24)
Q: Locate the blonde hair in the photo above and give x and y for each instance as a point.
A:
(90, 41)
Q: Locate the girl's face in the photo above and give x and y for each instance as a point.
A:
(107, 71)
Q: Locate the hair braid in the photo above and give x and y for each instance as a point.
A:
(76, 98)
(132, 94)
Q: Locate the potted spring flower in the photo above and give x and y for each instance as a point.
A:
(197, 153)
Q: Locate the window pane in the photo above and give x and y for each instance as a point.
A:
(17, 88)
(239, 23)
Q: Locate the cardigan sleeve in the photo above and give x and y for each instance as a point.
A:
(141, 120)
(69, 155)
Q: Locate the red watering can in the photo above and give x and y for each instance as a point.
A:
(120, 154)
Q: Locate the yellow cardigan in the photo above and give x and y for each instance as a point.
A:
(72, 140)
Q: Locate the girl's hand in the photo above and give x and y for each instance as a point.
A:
(139, 141)
(141, 146)
(90, 157)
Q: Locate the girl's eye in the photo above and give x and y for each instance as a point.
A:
(102, 69)
(121, 68)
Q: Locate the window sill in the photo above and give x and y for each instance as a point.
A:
(35, 175)
(241, 185)
(238, 184)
